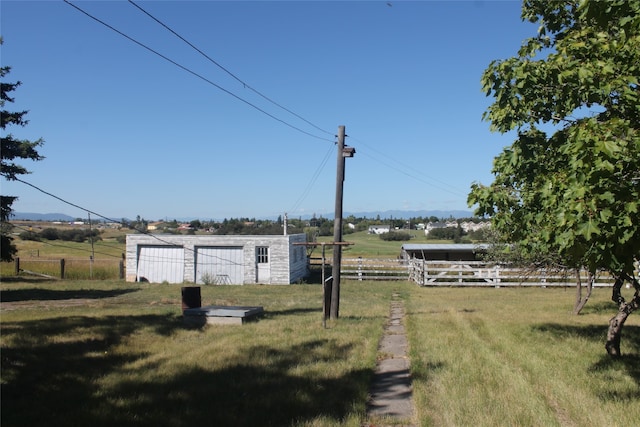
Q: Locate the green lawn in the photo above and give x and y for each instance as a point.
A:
(372, 246)
(105, 353)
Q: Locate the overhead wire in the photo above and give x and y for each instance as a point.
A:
(66, 246)
(323, 163)
(312, 181)
(166, 242)
(417, 175)
(155, 52)
(245, 84)
(441, 185)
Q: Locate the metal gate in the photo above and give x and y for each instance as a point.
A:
(220, 265)
(157, 264)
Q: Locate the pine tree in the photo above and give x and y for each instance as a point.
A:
(12, 149)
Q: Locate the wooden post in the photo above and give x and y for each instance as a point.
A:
(62, 268)
(325, 311)
(326, 282)
(17, 264)
(121, 265)
(92, 252)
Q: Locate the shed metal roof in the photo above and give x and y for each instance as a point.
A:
(449, 247)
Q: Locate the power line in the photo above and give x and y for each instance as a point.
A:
(403, 169)
(67, 202)
(116, 221)
(246, 85)
(194, 73)
(441, 185)
(66, 246)
(312, 181)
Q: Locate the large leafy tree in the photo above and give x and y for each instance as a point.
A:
(569, 184)
(12, 149)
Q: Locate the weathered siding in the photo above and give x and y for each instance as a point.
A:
(288, 263)
(299, 265)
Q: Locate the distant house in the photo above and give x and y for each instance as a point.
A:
(154, 225)
(439, 224)
(379, 229)
(232, 260)
(468, 226)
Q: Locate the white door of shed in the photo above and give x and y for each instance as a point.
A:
(220, 265)
(263, 265)
(157, 264)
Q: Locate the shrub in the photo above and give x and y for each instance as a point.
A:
(29, 235)
(395, 236)
(207, 278)
(50, 234)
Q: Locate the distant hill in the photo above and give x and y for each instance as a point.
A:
(29, 216)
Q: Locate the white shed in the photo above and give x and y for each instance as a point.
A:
(216, 259)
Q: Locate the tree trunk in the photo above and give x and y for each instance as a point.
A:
(581, 302)
(614, 333)
(624, 310)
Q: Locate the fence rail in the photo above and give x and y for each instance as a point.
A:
(71, 268)
(456, 273)
(479, 273)
(370, 268)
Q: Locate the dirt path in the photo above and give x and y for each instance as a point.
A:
(391, 391)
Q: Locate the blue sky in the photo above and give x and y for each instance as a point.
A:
(128, 133)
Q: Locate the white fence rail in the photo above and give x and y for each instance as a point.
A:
(457, 273)
(374, 269)
(370, 268)
(479, 273)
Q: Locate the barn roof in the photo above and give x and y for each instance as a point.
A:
(449, 247)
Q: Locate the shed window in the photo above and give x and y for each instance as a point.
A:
(262, 254)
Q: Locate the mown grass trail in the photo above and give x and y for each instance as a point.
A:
(518, 357)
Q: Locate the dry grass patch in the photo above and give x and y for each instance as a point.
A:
(490, 357)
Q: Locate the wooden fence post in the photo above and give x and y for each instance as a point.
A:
(17, 264)
(62, 268)
(121, 270)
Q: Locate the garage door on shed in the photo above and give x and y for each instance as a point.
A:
(220, 265)
(157, 264)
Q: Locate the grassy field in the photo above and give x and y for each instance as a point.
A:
(44, 256)
(105, 353)
(517, 357)
(372, 246)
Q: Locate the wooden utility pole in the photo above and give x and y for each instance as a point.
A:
(343, 152)
(326, 282)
